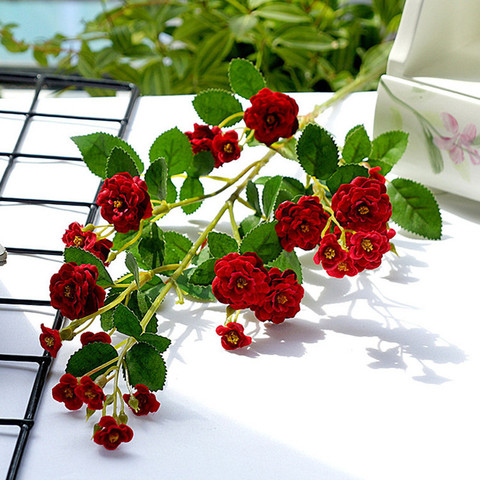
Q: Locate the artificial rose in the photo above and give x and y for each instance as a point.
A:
(110, 434)
(74, 291)
(300, 224)
(225, 147)
(345, 267)
(233, 336)
(241, 280)
(124, 202)
(201, 137)
(367, 248)
(90, 393)
(64, 392)
(272, 115)
(363, 204)
(50, 340)
(147, 402)
(330, 252)
(101, 249)
(74, 236)
(90, 337)
(283, 299)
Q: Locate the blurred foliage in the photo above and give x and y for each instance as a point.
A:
(180, 47)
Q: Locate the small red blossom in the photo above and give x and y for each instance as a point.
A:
(363, 204)
(50, 340)
(90, 393)
(90, 337)
(272, 115)
(283, 299)
(300, 224)
(64, 392)
(147, 402)
(124, 202)
(233, 336)
(111, 434)
(345, 267)
(241, 280)
(367, 248)
(330, 252)
(201, 137)
(225, 147)
(74, 291)
(74, 236)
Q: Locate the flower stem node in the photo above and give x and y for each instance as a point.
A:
(67, 333)
(164, 207)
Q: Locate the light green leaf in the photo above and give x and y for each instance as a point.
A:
(174, 146)
(244, 77)
(270, 194)
(214, 106)
(387, 149)
(248, 223)
(262, 240)
(357, 145)
(282, 12)
(176, 247)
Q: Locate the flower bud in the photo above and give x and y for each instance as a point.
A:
(122, 417)
(88, 228)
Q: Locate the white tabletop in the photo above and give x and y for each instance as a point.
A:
(376, 378)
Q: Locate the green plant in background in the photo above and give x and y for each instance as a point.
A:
(180, 47)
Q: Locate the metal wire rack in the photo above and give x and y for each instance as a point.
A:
(38, 84)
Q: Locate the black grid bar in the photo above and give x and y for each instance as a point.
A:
(36, 83)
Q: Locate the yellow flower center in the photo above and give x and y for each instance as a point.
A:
(329, 253)
(241, 283)
(363, 210)
(281, 298)
(367, 245)
(67, 291)
(342, 267)
(50, 341)
(78, 241)
(232, 338)
(117, 203)
(113, 437)
(304, 228)
(270, 119)
(228, 148)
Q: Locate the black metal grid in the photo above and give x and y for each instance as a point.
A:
(37, 83)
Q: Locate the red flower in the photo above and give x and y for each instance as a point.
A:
(241, 280)
(300, 224)
(50, 340)
(124, 202)
(201, 137)
(363, 204)
(111, 435)
(73, 290)
(283, 299)
(345, 267)
(225, 147)
(90, 393)
(330, 252)
(90, 337)
(64, 392)
(147, 402)
(233, 336)
(367, 248)
(272, 115)
(76, 237)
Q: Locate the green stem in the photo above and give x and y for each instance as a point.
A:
(236, 233)
(113, 255)
(231, 117)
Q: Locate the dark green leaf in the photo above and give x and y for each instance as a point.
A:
(192, 187)
(96, 148)
(171, 192)
(202, 164)
(221, 244)
(212, 51)
(415, 208)
(156, 178)
(146, 366)
(151, 248)
(345, 174)
(174, 146)
(140, 302)
(157, 341)
(262, 240)
(253, 197)
(106, 319)
(387, 149)
(132, 266)
(90, 357)
(120, 161)
(176, 247)
(245, 79)
(357, 145)
(317, 152)
(270, 193)
(214, 106)
(204, 274)
(288, 260)
(248, 223)
(199, 292)
(126, 321)
(120, 239)
(82, 257)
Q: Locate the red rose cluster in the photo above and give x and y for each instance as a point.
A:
(74, 236)
(223, 146)
(242, 281)
(74, 393)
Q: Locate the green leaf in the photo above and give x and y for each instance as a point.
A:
(150, 250)
(126, 321)
(270, 194)
(204, 273)
(357, 145)
(174, 146)
(262, 240)
(293, 186)
(176, 247)
(221, 244)
(202, 164)
(317, 152)
(307, 37)
(156, 179)
(253, 197)
(244, 77)
(120, 161)
(214, 106)
(171, 192)
(192, 187)
(283, 12)
(90, 357)
(82, 257)
(345, 174)
(248, 223)
(132, 266)
(199, 292)
(415, 208)
(140, 302)
(106, 318)
(211, 51)
(288, 260)
(97, 147)
(120, 239)
(387, 149)
(146, 366)
(157, 341)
